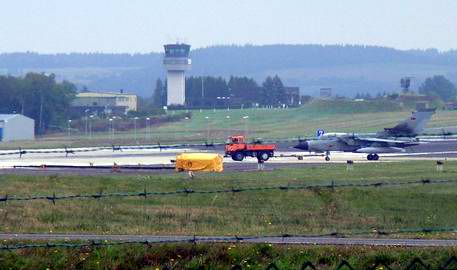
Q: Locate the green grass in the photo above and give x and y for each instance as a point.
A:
(223, 256)
(248, 213)
(340, 116)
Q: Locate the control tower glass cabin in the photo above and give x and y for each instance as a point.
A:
(176, 62)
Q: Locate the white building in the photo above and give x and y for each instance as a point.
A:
(14, 127)
(176, 62)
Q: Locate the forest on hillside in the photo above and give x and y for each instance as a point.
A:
(346, 68)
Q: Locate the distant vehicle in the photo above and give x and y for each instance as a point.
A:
(390, 140)
(238, 149)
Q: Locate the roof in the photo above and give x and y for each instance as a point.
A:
(106, 94)
(5, 117)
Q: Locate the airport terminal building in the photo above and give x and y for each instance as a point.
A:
(15, 127)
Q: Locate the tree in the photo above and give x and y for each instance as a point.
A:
(243, 90)
(273, 92)
(45, 100)
(206, 91)
(439, 86)
(37, 96)
(159, 95)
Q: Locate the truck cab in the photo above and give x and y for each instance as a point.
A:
(235, 139)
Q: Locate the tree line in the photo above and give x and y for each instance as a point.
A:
(137, 72)
(39, 97)
(437, 86)
(217, 92)
(243, 59)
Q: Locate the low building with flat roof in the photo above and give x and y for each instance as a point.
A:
(16, 127)
(325, 92)
(105, 102)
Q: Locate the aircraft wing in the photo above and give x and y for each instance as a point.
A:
(388, 141)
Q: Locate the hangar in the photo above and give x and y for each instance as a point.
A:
(14, 127)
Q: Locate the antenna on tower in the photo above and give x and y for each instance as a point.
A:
(405, 83)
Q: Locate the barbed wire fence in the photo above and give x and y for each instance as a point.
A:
(72, 151)
(331, 185)
(187, 193)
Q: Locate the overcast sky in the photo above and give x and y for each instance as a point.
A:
(54, 26)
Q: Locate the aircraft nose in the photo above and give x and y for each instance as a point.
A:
(302, 146)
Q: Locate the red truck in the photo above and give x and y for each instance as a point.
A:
(238, 149)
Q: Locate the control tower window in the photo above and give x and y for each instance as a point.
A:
(177, 50)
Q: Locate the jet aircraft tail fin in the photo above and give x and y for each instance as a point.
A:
(411, 127)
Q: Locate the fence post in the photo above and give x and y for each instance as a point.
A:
(349, 165)
(439, 166)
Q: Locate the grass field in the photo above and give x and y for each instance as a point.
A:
(224, 256)
(209, 125)
(247, 213)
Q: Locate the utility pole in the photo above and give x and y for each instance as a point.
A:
(134, 126)
(111, 128)
(203, 88)
(86, 127)
(69, 128)
(40, 126)
(148, 124)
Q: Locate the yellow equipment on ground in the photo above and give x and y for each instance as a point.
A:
(203, 162)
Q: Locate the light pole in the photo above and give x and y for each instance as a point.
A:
(228, 125)
(207, 128)
(111, 129)
(114, 122)
(69, 128)
(148, 125)
(246, 126)
(186, 131)
(134, 127)
(203, 89)
(90, 126)
(85, 118)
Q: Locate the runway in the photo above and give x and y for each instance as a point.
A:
(285, 157)
(230, 239)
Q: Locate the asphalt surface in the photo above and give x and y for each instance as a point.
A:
(230, 239)
(104, 160)
(88, 171)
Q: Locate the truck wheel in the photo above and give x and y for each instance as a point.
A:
(263, 156)
(238, 156)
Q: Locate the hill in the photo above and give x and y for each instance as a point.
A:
(347, 69)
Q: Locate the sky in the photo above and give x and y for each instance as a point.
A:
(142, 26)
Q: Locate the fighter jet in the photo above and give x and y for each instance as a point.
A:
(390, 140)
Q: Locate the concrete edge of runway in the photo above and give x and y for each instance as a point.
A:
(293, 240)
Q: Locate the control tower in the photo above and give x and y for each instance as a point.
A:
(176, 62)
